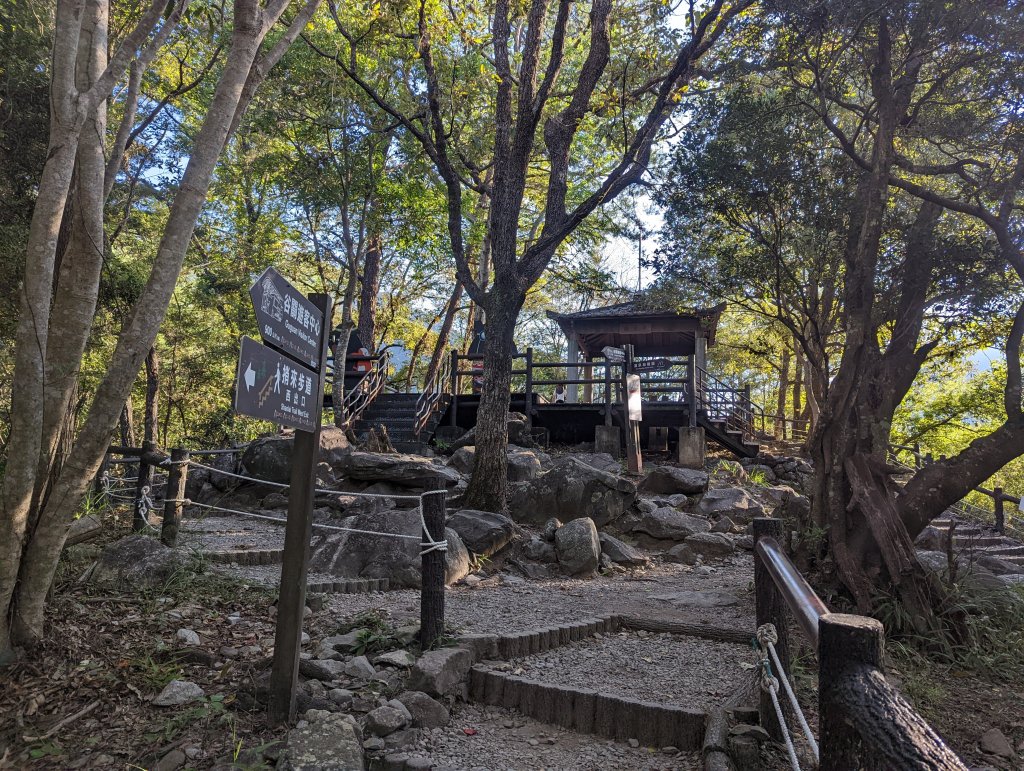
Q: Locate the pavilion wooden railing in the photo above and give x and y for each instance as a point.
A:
(863, 721)
(720, 402)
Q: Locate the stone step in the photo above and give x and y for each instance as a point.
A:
(977, 542)
(1007, 551)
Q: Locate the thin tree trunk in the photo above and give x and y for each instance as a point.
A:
(369, 287)
(152, 411)
(780, 426)
(127, 424)
(445, 332)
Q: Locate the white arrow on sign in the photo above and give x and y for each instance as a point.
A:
(250, 377)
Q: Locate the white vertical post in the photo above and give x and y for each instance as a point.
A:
(571, 393)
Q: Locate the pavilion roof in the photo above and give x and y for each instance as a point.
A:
(651, 331)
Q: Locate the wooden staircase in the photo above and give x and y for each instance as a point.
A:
(735, 440)
(398, 414)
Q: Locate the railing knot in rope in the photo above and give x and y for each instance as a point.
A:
(766, 636)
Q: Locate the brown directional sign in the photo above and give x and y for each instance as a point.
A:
(288, 321)
(651, 365)
(273, 387)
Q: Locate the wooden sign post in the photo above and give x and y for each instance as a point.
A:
(291, 598)
(283, 381)
(632, 414)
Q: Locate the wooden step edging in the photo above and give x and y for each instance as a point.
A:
(246, 556)
(350, 586)
(588, 711)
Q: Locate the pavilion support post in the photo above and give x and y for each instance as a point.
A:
(588, 388)
(691, 391)
(608, 439)
(528, 389)
(607, 393)
(454, 411)
(573, 373)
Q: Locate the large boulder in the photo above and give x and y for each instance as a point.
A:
(578, 546)
(135, 562)
(620, 552)
(602, 461)
(668, 480)
(405, 470)
(362, 555)
(522, 464)
(426, 712)
(571, 490)
(270, 457)
(733, 502)
(666, 523)
(484, 532)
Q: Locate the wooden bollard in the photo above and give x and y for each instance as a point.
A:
(770, 609)
(511, 692)
(844, 641)
(177, 477)
(434, 504)
(606, 712)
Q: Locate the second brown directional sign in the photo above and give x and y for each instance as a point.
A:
(273, 387)
(288, 321)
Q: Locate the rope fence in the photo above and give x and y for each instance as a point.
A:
(144, 500)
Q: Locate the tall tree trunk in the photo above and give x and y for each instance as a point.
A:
(34, 561)
(798, 383)
(369, 287)
(488, 484)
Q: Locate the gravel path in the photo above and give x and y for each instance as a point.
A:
(230, 533)
(665, 668)
(503, 739)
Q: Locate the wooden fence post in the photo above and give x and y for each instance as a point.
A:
(770, 609)
(691, 376)
(174, 494)
(997, 497)
(844, 642)
(140, 517)
(434, 507)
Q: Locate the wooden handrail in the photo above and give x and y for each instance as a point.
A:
(863, 721)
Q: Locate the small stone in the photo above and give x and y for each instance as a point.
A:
(304, 640)
(670, 750)
(399, 658)
(178, 692)
(386, 720)
(471, 580)
(509, 724)
(549, 529)
(193, 753)
(440, 672)
(533, 743)
(340, 696)
(187, 637)
(228, 652)
(343, 643)
(360, 667)
(426, 712)
(322, 669)
(994, 742)
(418, 763)
(754, 731)
(373, 744)
(172, 761)
(234, 618)
(634, 743)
